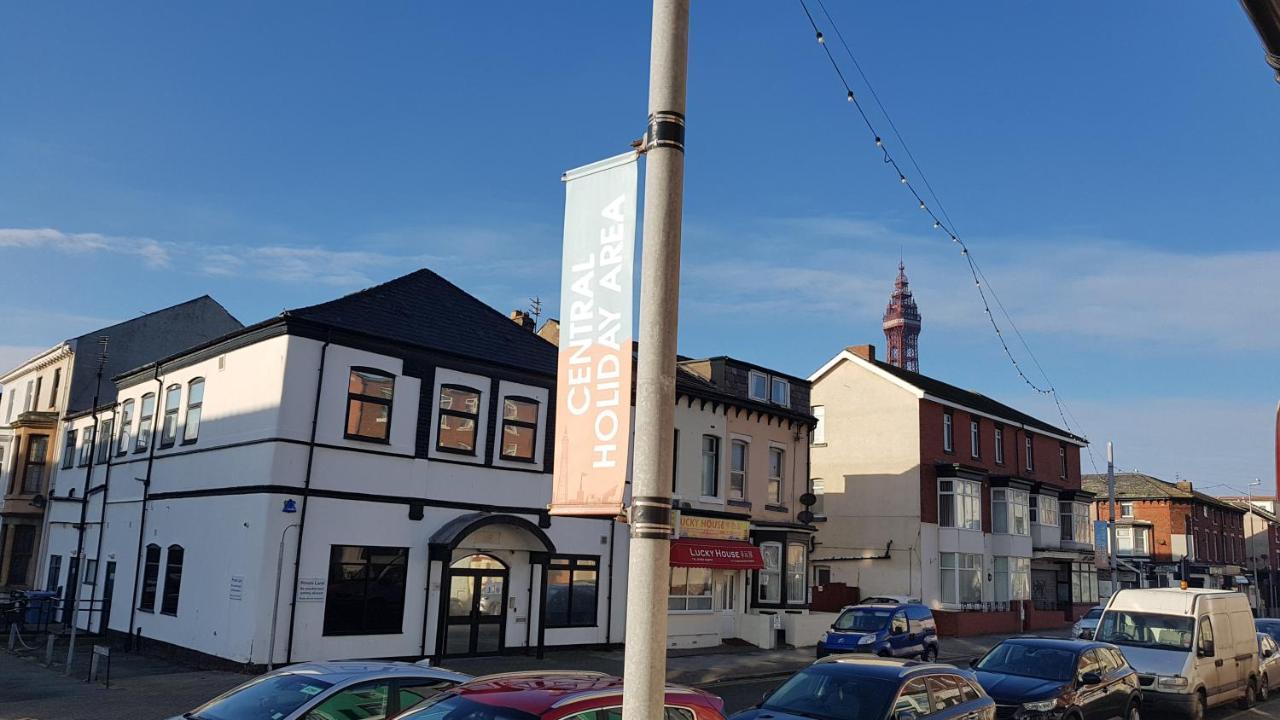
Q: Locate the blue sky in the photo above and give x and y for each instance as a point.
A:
(1111, 165)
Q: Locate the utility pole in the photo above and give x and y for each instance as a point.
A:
(1111, 525)
(645, 662)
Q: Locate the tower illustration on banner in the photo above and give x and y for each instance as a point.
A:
(902, 325)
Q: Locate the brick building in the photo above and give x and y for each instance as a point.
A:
(1168, 532)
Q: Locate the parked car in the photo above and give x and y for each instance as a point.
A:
(900, 630)
(330, 691)
(863, 688)
(1193, 649)
(1032, 677)
(889, 600)
(1087, 625)
(550, 695)
(1268, 664)
(1270, 626)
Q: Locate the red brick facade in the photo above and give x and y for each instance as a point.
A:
(1219, 535)
(1046, 460)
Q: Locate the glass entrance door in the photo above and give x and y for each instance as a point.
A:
(477, 607)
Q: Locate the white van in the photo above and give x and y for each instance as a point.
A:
(1193, 649)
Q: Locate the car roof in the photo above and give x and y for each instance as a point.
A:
(881, 606)
(1267, 621)
(339, 671)
(1056, 642)
(886, 668)
(538, 691)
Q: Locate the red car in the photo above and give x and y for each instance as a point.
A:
(569, 695)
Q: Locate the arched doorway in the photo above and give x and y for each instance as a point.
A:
(475, 620)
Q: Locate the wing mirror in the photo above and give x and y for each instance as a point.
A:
(1091, 678)
(973, 662)
(1267, 653)
(1205, 650)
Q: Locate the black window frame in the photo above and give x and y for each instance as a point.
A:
(146, 423)
(388, 402)
(106, 430)
(197, 406)
(167, 438)
(69, 448)
(124, 433)
(54, 573)
(86, 445)
(172, 580)
(537, 408)
(442, 411)
(150, 579)
(365, 628)
(41, 464)
(576, 563)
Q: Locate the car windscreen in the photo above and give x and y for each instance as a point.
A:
(1093, 614)
(833, 692)
(450, 706)
(1139, 629)
(862, 619)
(267, 698)
(1270, 627)
(1029, 660)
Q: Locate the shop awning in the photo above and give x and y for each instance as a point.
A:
(725, 554)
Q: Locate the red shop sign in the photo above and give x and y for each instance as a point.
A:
(716, 554)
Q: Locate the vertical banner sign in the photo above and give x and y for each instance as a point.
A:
(593, 380)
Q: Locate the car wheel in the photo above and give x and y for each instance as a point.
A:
(1134, 713)
(1264, 688)
(1250, 697)
(1199, 707)
(930, 653)
(884, 653)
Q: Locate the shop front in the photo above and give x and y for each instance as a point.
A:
(710, 560)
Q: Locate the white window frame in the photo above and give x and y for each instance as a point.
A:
(1030, 448)
(769, 579)
(965, 498)
(1132, 540)
(751, 385)
(1009, 508)
(819, 509)
(776, 383)
(948, 433)
(998, 437)
(796, 573)
(975, 438)
(819, 429)
(1046, 517)
(1012, 578)
(968, 564)
(1126, 513)
(777, 498)
(739, 493)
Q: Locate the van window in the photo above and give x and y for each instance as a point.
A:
(1206, 633)
(899, 622)
(945, 690)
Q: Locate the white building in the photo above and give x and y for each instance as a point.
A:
(366, 477)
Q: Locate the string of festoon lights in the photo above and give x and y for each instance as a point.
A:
(933, 209)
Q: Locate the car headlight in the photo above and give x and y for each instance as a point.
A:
(866, 639)
(1041, 705)
(1172, 681)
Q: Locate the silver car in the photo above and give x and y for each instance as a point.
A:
(1268, 664)
(1086, 626)
(330, 691)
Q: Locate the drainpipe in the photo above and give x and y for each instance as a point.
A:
(84, 507)
(142, 517)
(103, 622)
(608, 611)
(306, 492)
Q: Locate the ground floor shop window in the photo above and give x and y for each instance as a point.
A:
(961, 578)
(1012, 578)
(770, 578)
(365, 595)
(572, 591)
(690, 589)
(1084, 583)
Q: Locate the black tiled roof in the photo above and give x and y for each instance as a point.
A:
(426, 310)
(971, 399)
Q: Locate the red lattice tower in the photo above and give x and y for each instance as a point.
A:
(902, 325)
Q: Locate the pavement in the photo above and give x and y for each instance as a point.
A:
(148, 688)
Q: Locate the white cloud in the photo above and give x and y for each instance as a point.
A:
(153, 253)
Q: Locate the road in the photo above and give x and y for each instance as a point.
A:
(742, 694)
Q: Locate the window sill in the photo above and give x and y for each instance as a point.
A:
(509, 458)
(708, 611)
(711, 500)
(591, 624)
(819, 518)
(740, 503)
(170, 614)
(363, 633)
(192, 441)
(368, 439)
(776, 508)
(164, 446)
(450, 451)
(145, 610)
(821, 444)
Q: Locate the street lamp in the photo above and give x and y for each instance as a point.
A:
(1265, 15)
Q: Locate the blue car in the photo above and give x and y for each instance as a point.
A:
(870, 688)
(905, 630)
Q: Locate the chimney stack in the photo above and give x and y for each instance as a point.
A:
(1184, 485)
(522, 319)
(866, 352)
(550, 331)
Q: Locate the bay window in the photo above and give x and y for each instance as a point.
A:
(796, 573)
(1047, 513)
(770, 578)
(960, 504)
(961, 578)
(1012, 579)
(1084, 583)
(1131, 540)
(1075, 522)
(1009, 511)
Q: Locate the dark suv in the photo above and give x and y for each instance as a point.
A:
(1031, 677)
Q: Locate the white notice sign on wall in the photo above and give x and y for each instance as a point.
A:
(237, 587)
(311, 589)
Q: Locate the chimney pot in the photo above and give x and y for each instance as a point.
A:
(522, 319)
(866, 352)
